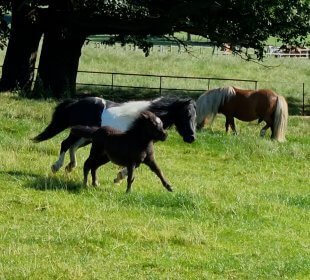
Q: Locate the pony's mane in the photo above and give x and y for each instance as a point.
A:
(163, 105)
(122, 116)
(209, 103)
(130, 109)
(141, 117)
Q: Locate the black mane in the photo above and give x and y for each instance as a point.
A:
(166, 107)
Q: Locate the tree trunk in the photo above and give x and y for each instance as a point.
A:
(21, 54)
(189, 37)
(59, 62)
(61, 51)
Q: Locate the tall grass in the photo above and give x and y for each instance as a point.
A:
(240, 209)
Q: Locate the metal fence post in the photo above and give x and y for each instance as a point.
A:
(160, 84)
(303, 99)
(256, 85)
(208, 84)
(112, 84)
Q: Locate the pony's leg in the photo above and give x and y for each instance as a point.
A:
(233, 126)
(230, 122)
(72, 151)
(65, 145)
(130, 177)
(264, 129)
(227, 124)
(272, 137)
(92, 163)
(121, 175)
(97, 163)
(150, 162)
(87, 167)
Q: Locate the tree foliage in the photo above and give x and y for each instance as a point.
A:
(242, 23)
(5, 7)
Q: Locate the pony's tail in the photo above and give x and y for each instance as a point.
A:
(58, 123)
(84, 131)
(280, 119)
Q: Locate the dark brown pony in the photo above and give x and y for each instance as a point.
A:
(128, 149)
(245, 105)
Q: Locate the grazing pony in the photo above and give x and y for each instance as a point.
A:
(245, 105)
(95, 111)
(129, 149)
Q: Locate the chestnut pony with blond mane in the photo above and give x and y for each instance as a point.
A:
(245, 105)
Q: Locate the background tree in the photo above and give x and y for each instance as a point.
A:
(5, 7)
(66, 23)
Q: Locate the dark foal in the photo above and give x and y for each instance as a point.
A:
(128, 149)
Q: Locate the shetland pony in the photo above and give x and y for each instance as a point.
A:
(129, 149)
(245, 105)
(95, 111)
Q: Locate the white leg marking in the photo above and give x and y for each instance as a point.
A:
(72, 156)
(73, 163)
(262, 132)
(59, 163)
(121, 175)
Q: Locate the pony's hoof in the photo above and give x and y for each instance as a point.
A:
(116, 180)
(169, 188)
(85, 182)
(70, 167)
(96, 184)
(54, 168)
(68, 170)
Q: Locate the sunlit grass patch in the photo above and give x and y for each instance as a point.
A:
(240, 206)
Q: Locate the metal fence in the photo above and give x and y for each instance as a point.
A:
(160, 78)
(158, 83)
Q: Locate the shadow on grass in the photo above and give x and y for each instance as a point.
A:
(295, 106)
(19, 174)
(55, 183)
(299, 201)
(166, 200)
(43, 183)
(120, 94)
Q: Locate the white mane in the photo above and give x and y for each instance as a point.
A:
(121, 117)
(208, 103)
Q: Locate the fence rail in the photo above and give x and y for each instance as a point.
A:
(160, 79)
(161, 88)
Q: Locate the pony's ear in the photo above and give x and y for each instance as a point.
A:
(145, 115)
(187, 100)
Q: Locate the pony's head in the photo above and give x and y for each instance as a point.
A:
(209, 103)
(185, 119)
(152, 125)
(201, 112)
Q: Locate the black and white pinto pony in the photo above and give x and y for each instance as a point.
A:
(95, 111)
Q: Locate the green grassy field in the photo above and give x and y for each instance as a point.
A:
(241, 204)
(240, 209)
